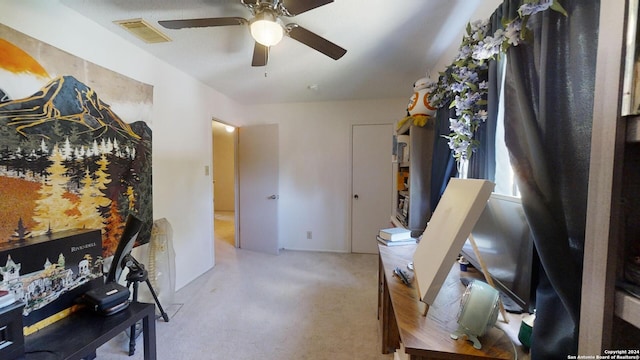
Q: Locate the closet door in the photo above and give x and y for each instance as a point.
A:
(371, 185)
(258, 188)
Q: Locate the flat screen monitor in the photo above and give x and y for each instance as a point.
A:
(505, 243)
(127, 241)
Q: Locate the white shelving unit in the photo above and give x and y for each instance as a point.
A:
(412, 202)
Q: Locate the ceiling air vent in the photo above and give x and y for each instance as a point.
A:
(143, 30)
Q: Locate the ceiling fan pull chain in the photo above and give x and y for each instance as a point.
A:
(266, 56)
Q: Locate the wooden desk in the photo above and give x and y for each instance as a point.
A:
(427, 337)
(80, 334)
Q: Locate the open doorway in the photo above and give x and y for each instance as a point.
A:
(224, 183)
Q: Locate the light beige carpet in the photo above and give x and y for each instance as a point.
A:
(298, 305)
(224, 226)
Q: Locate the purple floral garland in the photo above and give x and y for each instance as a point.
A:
(463, 84)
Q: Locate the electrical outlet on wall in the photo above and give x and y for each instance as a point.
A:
(309, 235)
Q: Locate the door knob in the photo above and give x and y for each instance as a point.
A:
(272, 197)
(355, 196)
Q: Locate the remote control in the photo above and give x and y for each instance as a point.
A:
(401, 275)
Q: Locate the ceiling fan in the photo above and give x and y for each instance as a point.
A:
(267, 28)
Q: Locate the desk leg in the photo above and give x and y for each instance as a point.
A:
(132, 339)
(390, 334)
(149, 336)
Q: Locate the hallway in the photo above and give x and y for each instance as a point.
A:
(224, 227)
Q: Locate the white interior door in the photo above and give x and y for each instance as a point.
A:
(372, 185)
(258, 188)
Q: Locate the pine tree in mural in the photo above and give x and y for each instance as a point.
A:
(112, 230)
(131, 197)
(67, 150)
(42, 161)
(95, 150)
(52, 208)
(102, 180)
(91, 199)
(20, 233)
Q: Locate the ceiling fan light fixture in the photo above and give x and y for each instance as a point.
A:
(266, 28)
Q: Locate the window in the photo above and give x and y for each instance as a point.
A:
(504, 177)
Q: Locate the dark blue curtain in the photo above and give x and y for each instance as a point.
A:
(482, 164)
(443, 167)
(548, 118)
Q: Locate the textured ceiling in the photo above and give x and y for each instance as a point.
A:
(390, 44)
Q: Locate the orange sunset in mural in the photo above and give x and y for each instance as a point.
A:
(15, 60)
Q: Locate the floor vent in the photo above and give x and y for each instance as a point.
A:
(143, 30)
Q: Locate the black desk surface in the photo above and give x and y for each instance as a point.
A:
(79, 334)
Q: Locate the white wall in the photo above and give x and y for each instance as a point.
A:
(315, 166)
(181, 123)
(474, 11)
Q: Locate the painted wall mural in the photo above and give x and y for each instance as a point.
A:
(75, 144)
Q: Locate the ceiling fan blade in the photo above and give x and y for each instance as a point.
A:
(260, 55)
(314, 41)
(206, 22)
(296, 7)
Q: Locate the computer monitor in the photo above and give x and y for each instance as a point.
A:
(127, 241)
(505, 243)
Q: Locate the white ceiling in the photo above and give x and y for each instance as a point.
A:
(390, 44)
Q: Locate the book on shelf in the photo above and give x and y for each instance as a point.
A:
(396, 233)
(410, 241)
(401, 218)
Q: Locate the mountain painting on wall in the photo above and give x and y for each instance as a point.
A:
(75, 144)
